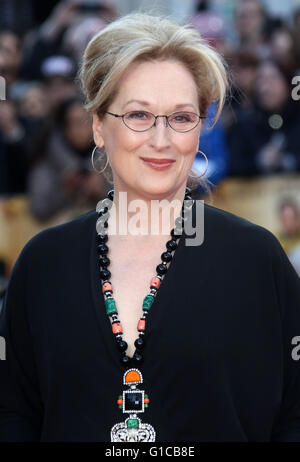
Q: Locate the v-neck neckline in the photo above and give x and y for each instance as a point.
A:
(98, 298)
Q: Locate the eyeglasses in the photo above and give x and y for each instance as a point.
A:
(141, 121)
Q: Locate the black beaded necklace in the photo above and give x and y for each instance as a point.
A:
(133, 401)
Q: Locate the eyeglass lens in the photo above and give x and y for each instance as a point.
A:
(179, 121)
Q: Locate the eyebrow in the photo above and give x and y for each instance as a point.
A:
(145, 103)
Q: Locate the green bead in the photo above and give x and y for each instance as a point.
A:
(132, 423)
(146, 396)
(120, 397)
(146, 405)
(110, 306)
(148, 300)
(120, 406)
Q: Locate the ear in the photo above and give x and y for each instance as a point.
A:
(97, 130)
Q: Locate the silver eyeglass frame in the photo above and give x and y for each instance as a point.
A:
(155, 119)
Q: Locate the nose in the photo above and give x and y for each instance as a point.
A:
(160, 134)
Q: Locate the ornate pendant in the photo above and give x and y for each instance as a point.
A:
(132, 402)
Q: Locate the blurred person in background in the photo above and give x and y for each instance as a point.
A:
(33, 106)
(243, 65)
(211, 26)
(47, 40)
(289, 217)
(58, 76)
(296, 34)
(265, 138)
(289, 235)
(10, 56)
(282, 47)
(79, 34)
(60, 175)
(250, 22)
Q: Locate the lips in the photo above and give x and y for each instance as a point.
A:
(157, 164)
(158, 161)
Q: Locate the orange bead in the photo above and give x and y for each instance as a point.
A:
(146, 400)
(120, 401)
(107, 286)
(141, 324)
(133, 377)
(117, 328)
(155, 282)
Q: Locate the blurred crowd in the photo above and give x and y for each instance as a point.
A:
(46, 135)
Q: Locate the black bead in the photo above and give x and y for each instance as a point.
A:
(125, 360)
(102, 238)
(102, 248)
(139, 343)
(166, 256)
(161, 269)
(104, 260)
(188, 190)
(110, 194)
(105, 273)
(122, 345)
(171, 245)
(137, 358)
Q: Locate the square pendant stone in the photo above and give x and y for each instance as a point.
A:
(133, 401)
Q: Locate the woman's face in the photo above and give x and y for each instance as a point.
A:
(34, 103)
(78, 127)
(157, 87)
(272, 90)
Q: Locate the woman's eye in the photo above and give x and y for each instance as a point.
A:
(137, 115)
(181, 118)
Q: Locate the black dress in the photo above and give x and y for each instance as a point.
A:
(222, 340)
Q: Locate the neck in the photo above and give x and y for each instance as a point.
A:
(144, 217)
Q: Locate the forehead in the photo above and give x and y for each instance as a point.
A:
(157, 81)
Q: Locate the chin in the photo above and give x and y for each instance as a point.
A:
(157, 190)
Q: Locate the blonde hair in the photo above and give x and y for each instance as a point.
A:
(139, 37)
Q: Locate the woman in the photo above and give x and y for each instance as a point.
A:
(60, 172)
(270, 126)
(211, 358)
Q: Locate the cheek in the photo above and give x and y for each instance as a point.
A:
(188, 145)
(121, 144)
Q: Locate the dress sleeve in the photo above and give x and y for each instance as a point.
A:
(286, 425)
(20, 402)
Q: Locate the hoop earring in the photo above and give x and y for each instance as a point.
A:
(101, 171)
(206, 160)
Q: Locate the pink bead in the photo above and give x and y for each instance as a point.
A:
(155, 282)
(107, 286)
(117, 328)
(141, 324)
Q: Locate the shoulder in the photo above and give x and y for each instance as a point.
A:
(55, 239)
(237, 234)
